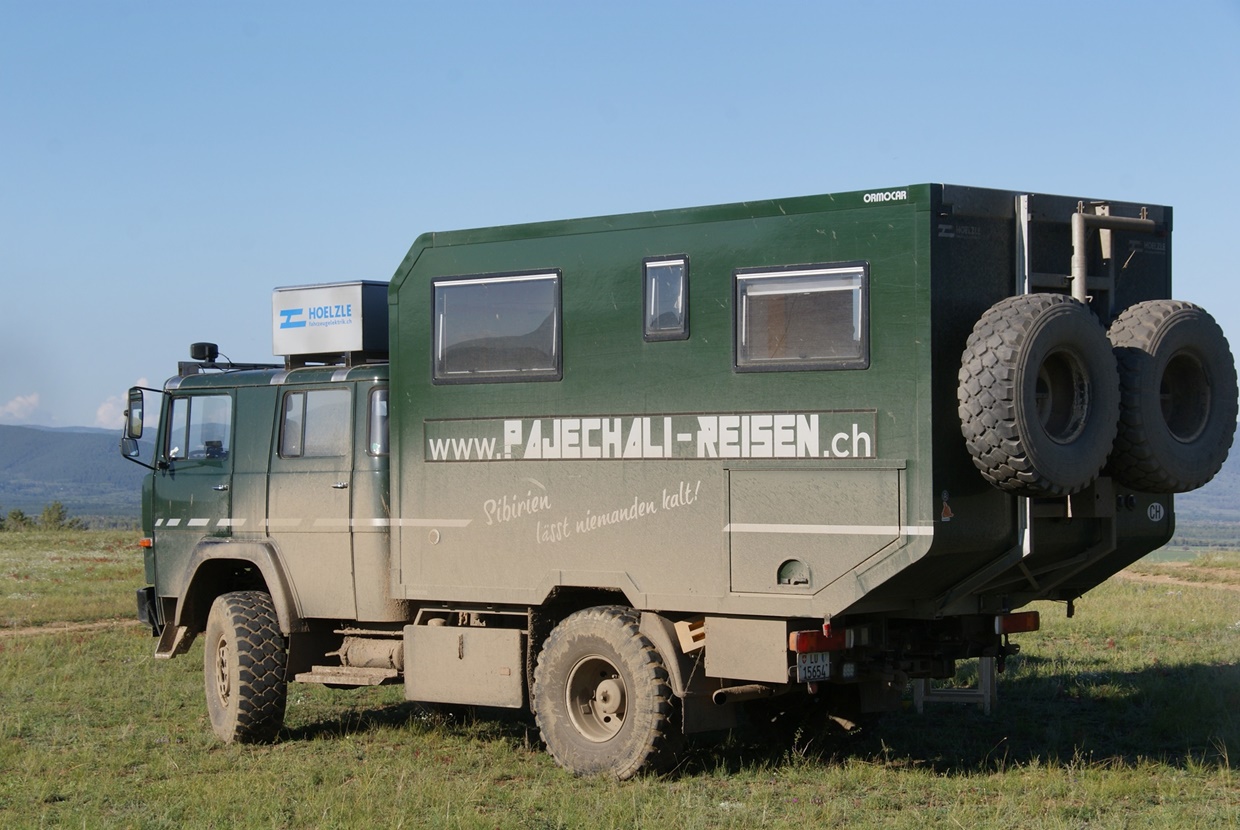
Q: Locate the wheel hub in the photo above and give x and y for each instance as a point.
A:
(1062, 396)
(1184, 397)
(596, 698)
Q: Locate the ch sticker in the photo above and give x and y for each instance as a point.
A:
(1156, 512)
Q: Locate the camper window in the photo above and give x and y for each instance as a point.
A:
(504, 327)
(665, 289)
(802, 317)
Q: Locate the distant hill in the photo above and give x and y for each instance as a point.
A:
(1210, 517)
(81, 468)
(1218, 501)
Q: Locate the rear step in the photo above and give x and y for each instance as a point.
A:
(347, 676)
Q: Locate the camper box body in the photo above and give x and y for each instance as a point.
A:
(664, 471)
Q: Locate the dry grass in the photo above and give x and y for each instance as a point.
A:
(1126, 716)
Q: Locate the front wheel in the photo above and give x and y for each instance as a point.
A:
(244, 668)
(601, 695)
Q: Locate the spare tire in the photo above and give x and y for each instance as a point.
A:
(1178, 397)
(1039, 395)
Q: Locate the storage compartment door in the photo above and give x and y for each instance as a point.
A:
(796, 531)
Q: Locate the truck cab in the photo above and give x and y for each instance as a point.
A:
(273, 477)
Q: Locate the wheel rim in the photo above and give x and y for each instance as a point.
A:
(223, 682)
(1062, 396)
(596, 698)
(1184, 395)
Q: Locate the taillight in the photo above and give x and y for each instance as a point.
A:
(805, 642)
(1018, 623)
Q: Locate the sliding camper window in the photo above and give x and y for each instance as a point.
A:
(665, 293)
(504, 327)
(802, 317)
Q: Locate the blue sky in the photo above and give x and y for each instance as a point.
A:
(163, 166)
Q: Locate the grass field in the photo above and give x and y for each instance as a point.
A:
(1126, 716)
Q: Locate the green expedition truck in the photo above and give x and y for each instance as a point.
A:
(630, 471)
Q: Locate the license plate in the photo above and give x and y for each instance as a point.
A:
(813, 666)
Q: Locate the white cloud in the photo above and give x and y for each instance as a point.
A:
(111, 413)
(21, 407)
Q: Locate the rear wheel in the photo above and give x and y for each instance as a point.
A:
(244, 663)
(1178, 383)
(601, 695)
(1039, 395)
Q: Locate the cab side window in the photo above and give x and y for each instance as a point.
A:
(315, 424)
(200, 427)
(377, 430)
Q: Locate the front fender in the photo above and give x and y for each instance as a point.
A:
(213, 569)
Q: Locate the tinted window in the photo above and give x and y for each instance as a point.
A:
(666, 298)
(497, 328)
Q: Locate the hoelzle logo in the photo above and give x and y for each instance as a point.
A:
(289, 322)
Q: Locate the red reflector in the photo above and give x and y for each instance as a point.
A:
(146, 542)
(1016, 623)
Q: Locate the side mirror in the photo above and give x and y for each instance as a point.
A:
(133, 419)
(130, 448)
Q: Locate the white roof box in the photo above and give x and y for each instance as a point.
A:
(340, 321)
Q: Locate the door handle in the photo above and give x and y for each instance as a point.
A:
(341, 485)
(220, 487)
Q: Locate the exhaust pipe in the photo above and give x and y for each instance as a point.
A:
(740, 694)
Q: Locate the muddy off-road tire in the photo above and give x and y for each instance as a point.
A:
(244, 661)
(601, 696)
(1039, 395)
(1178, 397)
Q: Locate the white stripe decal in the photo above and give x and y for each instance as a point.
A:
(292, 524)
(432, 522)
(830, 530)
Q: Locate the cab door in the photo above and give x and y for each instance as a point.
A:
(192, 481)
(309, 497)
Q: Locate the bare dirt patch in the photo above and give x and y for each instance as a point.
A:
(65, 627)
(1182, 578)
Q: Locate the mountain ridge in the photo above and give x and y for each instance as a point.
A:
(82, 468)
